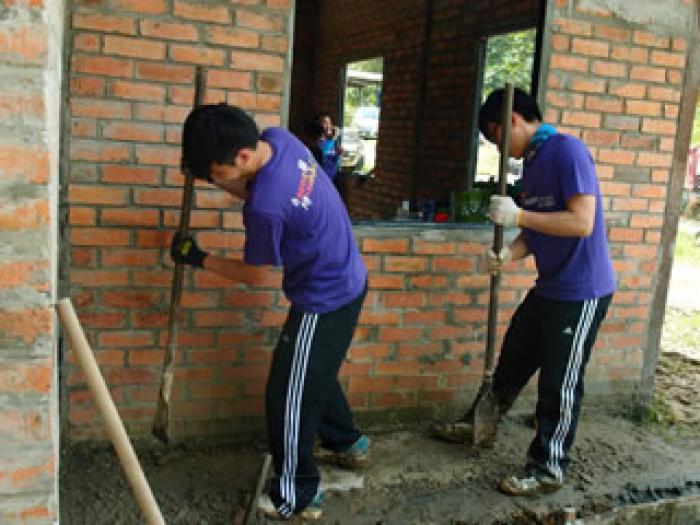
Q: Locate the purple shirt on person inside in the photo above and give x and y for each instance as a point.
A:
(294, 218)
(568, 268)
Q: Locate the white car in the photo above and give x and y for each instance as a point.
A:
(366, 121)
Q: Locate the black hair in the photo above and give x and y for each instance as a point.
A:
(215, 133)
(523, 104)
(313, 129)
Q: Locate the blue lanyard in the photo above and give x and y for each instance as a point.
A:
(542, 135)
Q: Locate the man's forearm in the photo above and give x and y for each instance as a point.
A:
(236, 270)
(561, 223)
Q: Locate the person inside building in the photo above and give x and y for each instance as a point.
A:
(293, 218)
(560, 216)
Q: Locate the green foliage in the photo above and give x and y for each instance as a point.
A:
(367, 94)
(509, 57)
(695, 139)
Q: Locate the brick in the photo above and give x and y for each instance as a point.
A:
(269, 82)
(612, 33)
(198, 219)
(370, 245)
(646, 221)
(601, 138)
(560, 43)
(405, 264)
(101, 65)
(638, 142)
(630, 54)
(622, 122)
(87, 86)
(149, 7)
(569, 63)
(671, 111)
(588, 85)
(278, 44)
(279, 4)
(100, 109)
(404, 299)
(82, 216)
(103, 23)
(627, 89)
(137, 91)
(233, 37)
(164, 72)
(97, 151)
(662, 58)
(158, 197)
(674, 77)
(589, 47)
(119, 173)
(168, 30)
(618, 157)
(659, 160)
(97, 195)
(603, 104)
(229, 79)
(581, 118)
(85, 128)
(606, 68)
(679, 44)
(133, 47)
(385, 282)
(164, 155)
(625, 235)
(640, 107)
(86, 42)
(197, 55)
(121, 217)
(256, 61)
(253, 20)
(202, 13)
(99, 237)
(628, 204)
(648, 39)
(112, 257)
(565, 100)
(573, 27)
(133, 132)
(227, 240)
(648, 74)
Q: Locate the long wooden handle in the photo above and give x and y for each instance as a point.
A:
(161, 421)
(105, 406)
(506, 115)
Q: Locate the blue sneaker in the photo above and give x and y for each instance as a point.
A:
(356, 456)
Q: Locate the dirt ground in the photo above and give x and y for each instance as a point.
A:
(618, 459)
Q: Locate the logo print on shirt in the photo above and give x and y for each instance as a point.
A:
(306, 185)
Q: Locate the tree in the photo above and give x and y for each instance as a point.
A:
(509, 57)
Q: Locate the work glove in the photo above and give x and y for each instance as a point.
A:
(184, 250)
(504, 211)
(494, 262)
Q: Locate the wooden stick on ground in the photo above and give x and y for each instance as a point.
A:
(110, 416)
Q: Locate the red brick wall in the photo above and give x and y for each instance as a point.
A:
(29, 108)
(351, 30)
(420, 342)
(132, 66)
(618, 88)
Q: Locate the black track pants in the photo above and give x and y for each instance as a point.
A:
(304, 399)
(554, 337)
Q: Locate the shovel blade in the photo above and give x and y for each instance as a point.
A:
(486, 416)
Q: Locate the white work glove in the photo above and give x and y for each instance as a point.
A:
(494, 262)
(504, 211)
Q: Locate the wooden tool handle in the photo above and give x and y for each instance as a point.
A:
(506, 117)
(110, 416)
(161, 420)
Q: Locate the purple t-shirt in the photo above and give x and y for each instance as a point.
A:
(294, 217)
(568, 268)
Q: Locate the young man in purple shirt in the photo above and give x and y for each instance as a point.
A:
(553, 330)
(293, 218)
